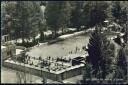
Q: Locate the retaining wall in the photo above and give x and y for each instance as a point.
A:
(50, 75)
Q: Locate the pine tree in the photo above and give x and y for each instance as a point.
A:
(122, 62)
(26, 19)
(22, 16)
(36, 19)
(3, 12)
(52, 16)
(109, 12)
(100, 54)
(125, 37)
(8, 18)
(96, 13)
(116, 10)
(118, 74)
(87, 77)
(58, 15)
(123, 19)
(16, 23)
(65, 14)
(76, 18)
(86, 13)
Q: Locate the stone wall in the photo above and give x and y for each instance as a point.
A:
(53, 76)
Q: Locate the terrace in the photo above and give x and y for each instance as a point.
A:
(56, 64)
(54, 68)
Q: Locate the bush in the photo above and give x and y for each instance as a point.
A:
(27, 44)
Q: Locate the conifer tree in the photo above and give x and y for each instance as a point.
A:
(57, 15)
(52, 16)
(65, 14)
(122, 62)
(116, 11)
(94, 13)
(26, 19)
(76, 18)
(100, 54)
(87, 77)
